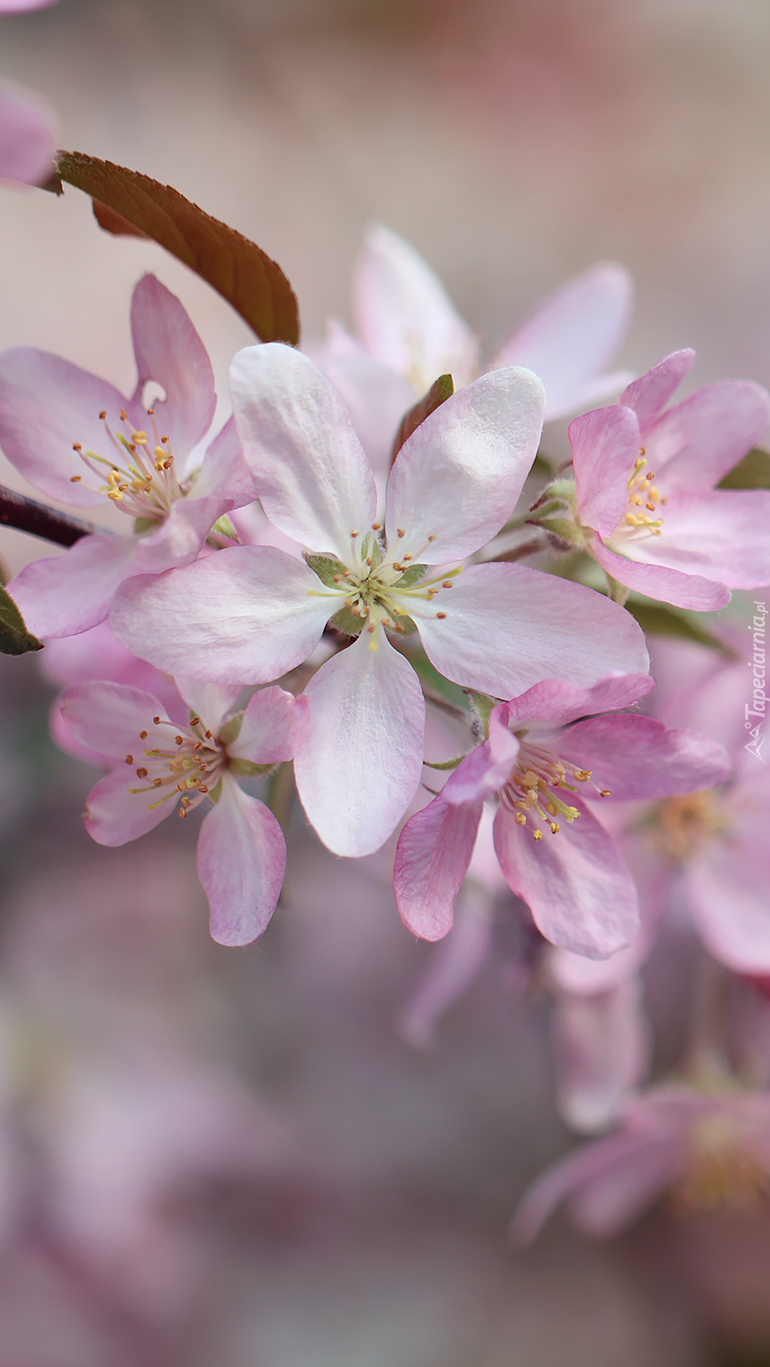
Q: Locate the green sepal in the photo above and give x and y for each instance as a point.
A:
(326, 567)
(216, 792)
(231, 729)
(445, 763)
(145, 524)
(483, 706)
(564, 528)
(411, 576)
(658, 619)
(14, 637)
(753, 472)
(246, 768)
(406, 625)
(224, 527)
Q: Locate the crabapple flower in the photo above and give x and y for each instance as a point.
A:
(27, 135)
(709, 1147)
(77, 439)
(643, 501)
(537, 759)
(252, 613)
(155, 763)
(410, 333)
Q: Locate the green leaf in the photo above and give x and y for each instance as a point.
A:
(126, 202)
(657, 619)
(442, 389)
(14, 637)
(326, 567)
(753, 472)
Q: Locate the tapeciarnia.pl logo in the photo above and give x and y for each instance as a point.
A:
(758, 705)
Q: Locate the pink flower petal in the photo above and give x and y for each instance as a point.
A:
(314, 480)
(571, 336)
(602, 1049)
(660, 581)
(359, 753)
(108, 718)
(636, 757)
(28, 136)
(725, 887)
(24, 6)
(698, 441)
(266, 734)
(555, 700)
(575, 883)
(486, 768)
(209, 701)
(459, 475)
(69, 593)
(245, 615)
(405, 316)
(169, 351)
(721, 535)
(180, 536)
(241, 863)
(605, 445)
(451, 969)
(224, 470)
(651, 392)
(508, 627)
(115, 815)
(432, 858)
(47, 404)
(375, 396)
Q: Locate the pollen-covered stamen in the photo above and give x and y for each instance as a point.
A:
(683, 825)
(644, 501)
(721, 1169)
(141, 479)
(531, 788)
(188, 764)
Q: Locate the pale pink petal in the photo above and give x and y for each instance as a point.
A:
(432, 858)
(169, 351)
(241, 863)
(313, 478)
(245, 615)
(555, 700)
(95, 654)
(266, 734)
(23, 6)
(27, 136)
(486, 768)
(618, 1175)
(224, 470)
(180, 536)
(581, 977)
(636, 757)
(359, 753)
(571, 336)
(459, 475)
(651, 392)
(375, 396)
(69, 593)
(209, 701)
(115, 815)
(720, 534)
(602, 1046)
(405, 316)
(451, 969)
(575, 883)
(697, 442)
(605, 445)
(726, 887)
(508, 627)
(46, 405)
(108, 718)
(660, 581)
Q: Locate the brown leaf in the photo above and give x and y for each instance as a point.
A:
(237, 268)
(442, 389)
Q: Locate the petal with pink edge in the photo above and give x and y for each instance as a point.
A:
(241, 863)
(459, 475)
(451, 969)
(224, 470)
(266, 734)
(27, 136)
(375, 396)
(432, 858)
(508, 627)
(720, 534)
(405, 316)
(570, 337)
(169, 351)
(605, 445)
(211, 702)
(180, 536)
(651, 392)
(46, 405)
(484, 771)
(115, 815)
(661, 582)
(70, 593)
(23, 6)
(245, 615)
(637, 757)
(555, 700)
(108, 718)
(602, 1050)
(577, 886)
(359, 752)
(314, 481)
(697, 442)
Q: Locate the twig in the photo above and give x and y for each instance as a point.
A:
(27, 515)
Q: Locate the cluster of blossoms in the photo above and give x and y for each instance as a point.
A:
(381, 591)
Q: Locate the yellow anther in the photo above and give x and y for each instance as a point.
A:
(521, 818)
(140, 438)
(75, 479)
(555, 827)
(605, 792)
(159, 453)
(129, 759)
(538, 835)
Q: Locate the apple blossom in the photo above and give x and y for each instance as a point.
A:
(249, 614)
(643, 500)
(76, 438)
(241, 850)
(537, 757)
(27, 135)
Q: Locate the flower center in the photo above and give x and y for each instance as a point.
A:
(644, 502)
(720, 1170)
(683, 825)
(183, 762)
(531, 790)
(141, 479)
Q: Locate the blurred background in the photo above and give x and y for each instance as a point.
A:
(231, 1156)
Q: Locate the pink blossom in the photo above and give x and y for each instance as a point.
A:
(241, 850)
(710, 1147)
(78, 440)
(28, 135)
(409, 333)
(644, 500)
(573, 878)
(252, 613)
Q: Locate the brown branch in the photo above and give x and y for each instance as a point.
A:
(16, 510)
